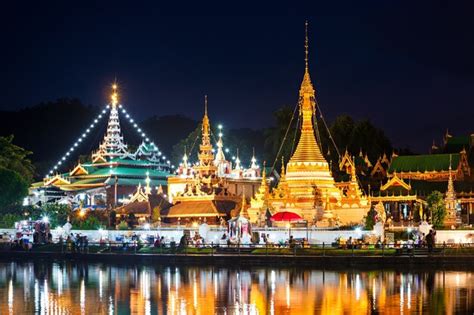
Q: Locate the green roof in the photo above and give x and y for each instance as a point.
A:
(129, 171)
(132, 162)
(424, 188)
(88, 181)
(428, 162)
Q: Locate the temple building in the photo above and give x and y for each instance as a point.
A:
(112, 173)
(306, 186)
(211, 190)
(411, 178)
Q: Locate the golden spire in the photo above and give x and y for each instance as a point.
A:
(306, 85)
(205, 119)
(306, 46)
(264, 174)
(206, 166)
(307, 149)
(282, 173)
(114, 96)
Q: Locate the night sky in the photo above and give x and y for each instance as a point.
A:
(407, 67)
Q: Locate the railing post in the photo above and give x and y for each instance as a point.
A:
(110, 246)
(212, 248)
(294, 250)
(186, 249)
(383, 249)
(238, 246)
(444, 249)
(324, 249)
(352, 249)
(266, 249)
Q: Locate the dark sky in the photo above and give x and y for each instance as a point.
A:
(406, 66)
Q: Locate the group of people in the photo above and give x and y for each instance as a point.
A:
(75, 243)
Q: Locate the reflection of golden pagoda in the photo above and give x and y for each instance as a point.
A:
(308, 184)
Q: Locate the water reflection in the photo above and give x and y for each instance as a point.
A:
(77, 288)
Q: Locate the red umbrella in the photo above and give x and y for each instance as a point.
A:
(285, 216)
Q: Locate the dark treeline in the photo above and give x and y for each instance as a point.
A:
(49, 129)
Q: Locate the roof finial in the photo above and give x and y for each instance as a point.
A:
(205, 105)
(114, 96)
(306, 46)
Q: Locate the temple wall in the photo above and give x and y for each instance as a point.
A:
(276, 234)
(314, 236)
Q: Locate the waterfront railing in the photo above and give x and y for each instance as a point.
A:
(212, 249)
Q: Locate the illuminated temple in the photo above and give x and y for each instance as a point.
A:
(112, 172)
(410, 179)
(210, 190)
(306, 185)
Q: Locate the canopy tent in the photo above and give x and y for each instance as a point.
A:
(285, 216)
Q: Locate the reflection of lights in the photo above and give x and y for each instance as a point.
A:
(272, 280)
(59, 277)
(402, 298)
(111, 305)
(409, 295)
(10, 296)
(195, 303)
(374, 294)
(82, 297)
(357, 287)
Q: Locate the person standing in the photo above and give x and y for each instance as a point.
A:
(429, 240)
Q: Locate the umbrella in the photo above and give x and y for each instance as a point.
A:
(285, 216)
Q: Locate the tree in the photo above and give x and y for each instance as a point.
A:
(436, 208)
(13, 188)
(56, 213)
(14, 158)
(370, 219)
(191, 142)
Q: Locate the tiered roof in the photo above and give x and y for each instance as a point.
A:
(422, 163)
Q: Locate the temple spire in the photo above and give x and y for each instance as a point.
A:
(114, 96)
(307, 149)
(185, 159)
(113, 144)
(306, 47)
(206, 166)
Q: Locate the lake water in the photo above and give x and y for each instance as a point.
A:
(80, 288)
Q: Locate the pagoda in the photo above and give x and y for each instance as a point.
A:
(306, 186)
(200, 192)
(112, 173)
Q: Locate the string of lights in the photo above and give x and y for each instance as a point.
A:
(82, 137)
(77, 142)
